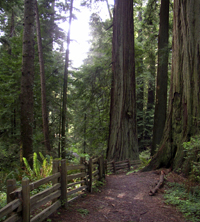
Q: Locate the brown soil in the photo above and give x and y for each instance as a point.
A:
(122, 198)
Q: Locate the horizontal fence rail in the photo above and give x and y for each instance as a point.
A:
(113, 166)
(66, 184)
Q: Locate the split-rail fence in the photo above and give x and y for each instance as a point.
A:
(67, 184)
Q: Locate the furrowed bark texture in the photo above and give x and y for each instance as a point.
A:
(27, 80)
(64, 108)
(123, 142)
(140, 93)
(184, 100)
(162, 76)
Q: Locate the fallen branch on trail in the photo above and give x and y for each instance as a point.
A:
(160, 183)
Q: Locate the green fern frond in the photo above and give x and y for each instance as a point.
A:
(50, 165)
(36, 165)
(41, 155)
(44, 166)
(28, 166)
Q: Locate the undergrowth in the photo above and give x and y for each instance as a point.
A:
(145, 158)
(187, 196)
(83, 212)
(188, 202)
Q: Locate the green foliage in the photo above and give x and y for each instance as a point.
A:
(89, 97)
(145, 158)
(192, 152)
(97, 185)
(3, 199)
(187, 203)
(40, 169)
(83, 212)
(4, 176)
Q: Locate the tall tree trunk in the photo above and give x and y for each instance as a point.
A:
(64, 109)
(162, 76)
(84, 143)
(59, 128)
(149, 118)
(12, 25)
(43, 87)
(123, 142)
(140, 91)
(52, 19)
(12, 32)
(27, 81)
(183, 115)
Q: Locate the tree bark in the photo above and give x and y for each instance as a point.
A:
(148, 128)
(27, 81)
(123, 143)
(140, 91)
(184, 110)
(162, 76)
(64, 109)
(43, 84)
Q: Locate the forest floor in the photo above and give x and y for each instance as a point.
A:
(123, 198)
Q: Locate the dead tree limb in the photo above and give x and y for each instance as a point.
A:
(160, 183)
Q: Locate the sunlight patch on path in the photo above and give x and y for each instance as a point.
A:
(139, 196)
(121, 195)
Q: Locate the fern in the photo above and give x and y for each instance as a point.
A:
(30, 171)
(41, 155)
(36, 165)
(40, 169)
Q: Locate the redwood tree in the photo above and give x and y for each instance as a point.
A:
(183, 115)
(64, 108)
(43, 84)
(123, 141)
(162, 76)
(27, 81)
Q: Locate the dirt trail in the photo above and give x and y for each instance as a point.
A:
(123, 198)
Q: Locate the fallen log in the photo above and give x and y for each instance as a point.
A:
(160, 183)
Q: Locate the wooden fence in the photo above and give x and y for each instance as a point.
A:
(113, 166)
(67, 184)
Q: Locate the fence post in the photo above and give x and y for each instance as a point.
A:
(100, 161)
(114, 168)
(55, 170)
(11, 186)
(26, 201)
(105, 168)
(90, 175)
(82, 161)
(63, 197)
(129, 164)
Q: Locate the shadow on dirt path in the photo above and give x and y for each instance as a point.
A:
(123, 198)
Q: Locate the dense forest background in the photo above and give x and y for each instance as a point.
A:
(71, 106)
(88, 93)
(136, 95)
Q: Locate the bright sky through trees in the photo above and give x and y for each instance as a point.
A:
(80, 32)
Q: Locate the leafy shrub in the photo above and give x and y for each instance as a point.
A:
(192, 151)
(145, 157)
(3, 199)
(187, 202)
